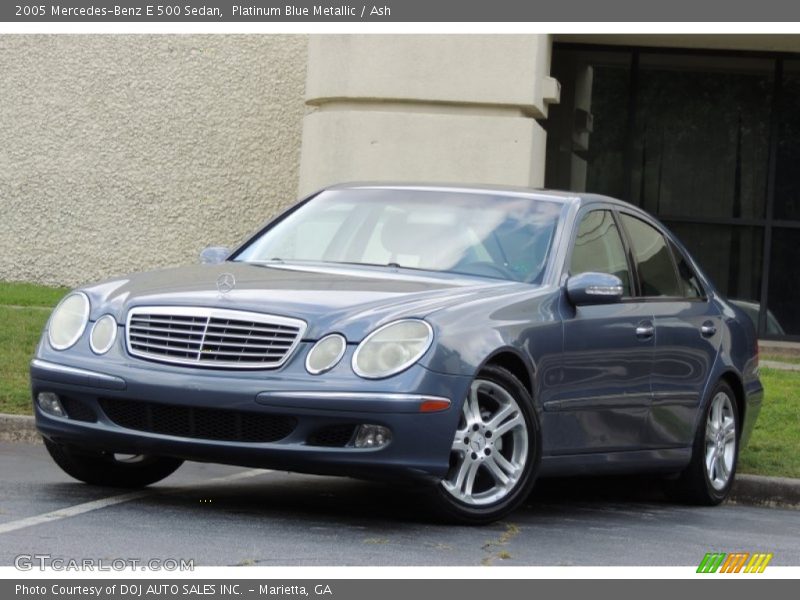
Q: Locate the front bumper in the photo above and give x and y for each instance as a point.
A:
(419, 448)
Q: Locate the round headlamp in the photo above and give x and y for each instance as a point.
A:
(104, 333)
(326, 354)
(392, 348)
(68, 321)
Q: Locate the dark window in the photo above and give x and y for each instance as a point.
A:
(700, 142)
(598, 248)
(787, 175)
(653, 260)
(688, 278)
(784, 283)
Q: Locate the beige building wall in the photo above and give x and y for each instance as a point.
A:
(438, 108)
(123, 153)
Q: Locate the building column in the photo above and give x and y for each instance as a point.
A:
(430, 108)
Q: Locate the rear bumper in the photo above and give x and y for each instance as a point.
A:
(420, 445)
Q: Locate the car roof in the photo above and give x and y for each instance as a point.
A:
(561, 196)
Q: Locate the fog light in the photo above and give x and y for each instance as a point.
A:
(372, 436)
(49, 403)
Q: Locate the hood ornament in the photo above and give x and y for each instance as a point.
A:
(226, 282)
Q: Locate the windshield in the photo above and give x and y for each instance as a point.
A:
(503, 237)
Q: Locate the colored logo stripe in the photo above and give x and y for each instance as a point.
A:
(758, 563)
(711, 562)
(734, 562)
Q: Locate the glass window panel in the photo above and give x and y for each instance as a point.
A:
(692, 288)
(598, 248)
(701, 136)
(784, 283)
(657, 275)
(787, 174)
(730, 256)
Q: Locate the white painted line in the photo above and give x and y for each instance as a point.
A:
(79, 509)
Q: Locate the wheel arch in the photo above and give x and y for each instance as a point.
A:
(512, 361)
(735, 382)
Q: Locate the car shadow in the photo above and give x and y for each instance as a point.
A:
(357, 502)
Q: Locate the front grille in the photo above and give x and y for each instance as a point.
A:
(199, 423)
(332, 436)
(210, 337)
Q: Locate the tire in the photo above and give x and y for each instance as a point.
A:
(716, 444)
(491, 474)
(106, 469)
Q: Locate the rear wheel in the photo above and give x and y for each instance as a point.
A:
(709, 477)
(495, 452)
(109, 469)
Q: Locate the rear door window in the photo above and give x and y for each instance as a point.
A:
(654, 262)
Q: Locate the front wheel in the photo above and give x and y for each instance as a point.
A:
(109, 469)
(709, 477)
(495, 453)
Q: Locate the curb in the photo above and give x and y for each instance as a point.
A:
(754, 490)
(18, 428)
(758, 490)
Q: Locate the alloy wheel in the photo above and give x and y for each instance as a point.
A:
(490, 446)
(720, 451)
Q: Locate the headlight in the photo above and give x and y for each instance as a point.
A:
(104, 332)
(68, 321)
(325, 354)
(392, 348)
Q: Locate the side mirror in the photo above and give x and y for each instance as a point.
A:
(594, 288)
(213, 255)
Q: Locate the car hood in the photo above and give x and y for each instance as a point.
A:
(349, 300)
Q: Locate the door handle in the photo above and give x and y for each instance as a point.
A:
(707, 329)
(645, 330)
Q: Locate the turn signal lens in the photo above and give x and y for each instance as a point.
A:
(438, 405)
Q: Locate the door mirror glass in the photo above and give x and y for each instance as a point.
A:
(594, 288)
(213, 255)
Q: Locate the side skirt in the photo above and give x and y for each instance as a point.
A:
(609, 463)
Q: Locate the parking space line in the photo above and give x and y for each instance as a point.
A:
(85, 507)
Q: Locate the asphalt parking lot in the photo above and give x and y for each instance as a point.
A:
(219, 515)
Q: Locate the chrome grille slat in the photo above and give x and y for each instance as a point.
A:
(281, 347)
(212, 337)
(179, 340)
(213, 325)
(182, 330)
(193, 321)
(239, 336)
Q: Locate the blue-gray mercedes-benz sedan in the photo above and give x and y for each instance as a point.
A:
(471, 339)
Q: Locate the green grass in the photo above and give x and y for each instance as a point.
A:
(20, 329)
(28, 294)
(24, 308)
(774, 447)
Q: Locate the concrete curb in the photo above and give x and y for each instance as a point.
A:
(18, 428)
(758, 490)
(755, 490)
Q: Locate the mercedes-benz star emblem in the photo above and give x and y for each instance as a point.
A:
(226, 282)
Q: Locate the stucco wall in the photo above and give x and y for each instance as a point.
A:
(122, 153)
(435, 108)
